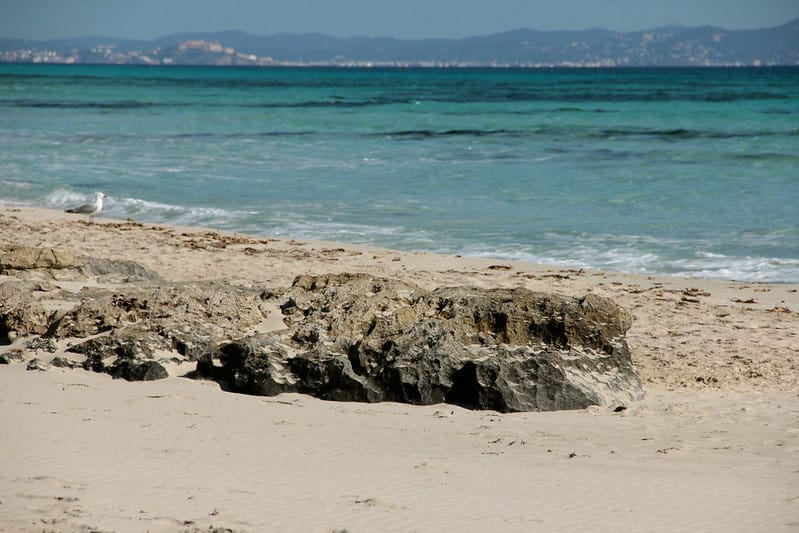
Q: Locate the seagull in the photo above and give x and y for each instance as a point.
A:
(92, 208)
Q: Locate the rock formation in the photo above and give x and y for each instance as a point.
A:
(350, 337)
(128, 331)
(360, 338)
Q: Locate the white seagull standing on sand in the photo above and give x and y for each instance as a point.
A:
(91, 209)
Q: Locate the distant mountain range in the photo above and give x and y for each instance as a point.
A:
(668, 46)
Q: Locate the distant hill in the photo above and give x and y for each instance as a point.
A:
(668, 46)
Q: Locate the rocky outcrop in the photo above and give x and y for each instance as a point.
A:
(21, 312)
(29, 261)
(350, 337)
(22, 258)
(360, 338)
(171, 311)
(126, 353)
(127, 332)
(119, 271)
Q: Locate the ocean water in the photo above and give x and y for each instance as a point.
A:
(670, 171)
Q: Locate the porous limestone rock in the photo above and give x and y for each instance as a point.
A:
(125, 330)
(21, 313)
(361, 338)
(19, 258)
(351, 337)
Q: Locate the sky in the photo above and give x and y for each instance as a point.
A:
(149, 19)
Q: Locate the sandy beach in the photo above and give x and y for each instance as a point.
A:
(714, 446)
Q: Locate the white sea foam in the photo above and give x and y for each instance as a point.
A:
(395, 237)
(594, 253)
(738, 268)
(61, 198)
(621, 253)
(168, 213)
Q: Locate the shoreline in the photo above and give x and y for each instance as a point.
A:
(715, 436)
(694, 318)
(576, 263)
(57, 215)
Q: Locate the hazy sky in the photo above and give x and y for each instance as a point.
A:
(147, 19)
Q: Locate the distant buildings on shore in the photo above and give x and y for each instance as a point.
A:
(193, 52)
(669, 46)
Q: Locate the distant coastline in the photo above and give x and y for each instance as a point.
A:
(672, 46)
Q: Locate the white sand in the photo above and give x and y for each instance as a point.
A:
(713, 447)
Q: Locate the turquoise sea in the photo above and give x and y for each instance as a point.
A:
(679, 171)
